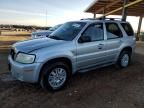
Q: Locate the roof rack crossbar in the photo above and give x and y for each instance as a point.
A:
(88, 19)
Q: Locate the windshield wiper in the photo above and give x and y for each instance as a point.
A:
(55, 37)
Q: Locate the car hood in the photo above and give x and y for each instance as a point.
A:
(35, 44)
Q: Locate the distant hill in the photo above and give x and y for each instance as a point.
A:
(22, 27)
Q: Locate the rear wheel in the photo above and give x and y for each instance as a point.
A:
(124, 59)
(55, 76)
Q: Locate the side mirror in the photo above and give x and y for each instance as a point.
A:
(83, 39)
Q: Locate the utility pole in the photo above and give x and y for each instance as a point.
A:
(46, 19)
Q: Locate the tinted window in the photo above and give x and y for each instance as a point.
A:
(113, 31)
(128, 29)
(95, 32)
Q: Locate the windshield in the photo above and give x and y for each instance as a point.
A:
(55, 27)
(68, 31)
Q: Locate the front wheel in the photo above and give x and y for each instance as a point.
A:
(124, 59)
(55, 76)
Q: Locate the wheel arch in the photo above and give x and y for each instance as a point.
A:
(63, 59)
(128, 48)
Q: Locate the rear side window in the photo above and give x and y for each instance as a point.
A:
(128, 29)
(113, 31)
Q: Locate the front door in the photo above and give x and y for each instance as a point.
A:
(91, 47)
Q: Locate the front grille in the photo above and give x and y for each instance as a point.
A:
(12, 53)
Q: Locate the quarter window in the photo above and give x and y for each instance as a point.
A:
(128, 29)
(95, 32)
(113, 31)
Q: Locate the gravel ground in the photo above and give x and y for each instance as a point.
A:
(107, 87)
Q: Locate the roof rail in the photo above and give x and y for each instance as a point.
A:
(109, 18)
(101, 18)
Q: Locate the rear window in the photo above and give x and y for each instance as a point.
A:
(128, 29)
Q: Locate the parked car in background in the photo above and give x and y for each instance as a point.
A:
(44, 33)
(77, 46)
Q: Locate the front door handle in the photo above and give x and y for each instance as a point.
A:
(100, 46)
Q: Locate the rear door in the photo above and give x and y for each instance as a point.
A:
(114, 40)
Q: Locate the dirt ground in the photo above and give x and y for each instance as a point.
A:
(107, 87)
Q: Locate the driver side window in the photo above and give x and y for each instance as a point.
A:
(95, 32)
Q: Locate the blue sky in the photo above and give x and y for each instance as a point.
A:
(33, 12)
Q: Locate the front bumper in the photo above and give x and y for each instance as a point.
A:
(25, 72)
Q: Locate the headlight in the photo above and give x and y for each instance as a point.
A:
(25, 58)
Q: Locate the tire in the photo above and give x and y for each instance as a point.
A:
(124, 59)
(55, 76)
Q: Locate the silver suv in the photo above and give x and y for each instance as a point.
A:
(77, 46)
